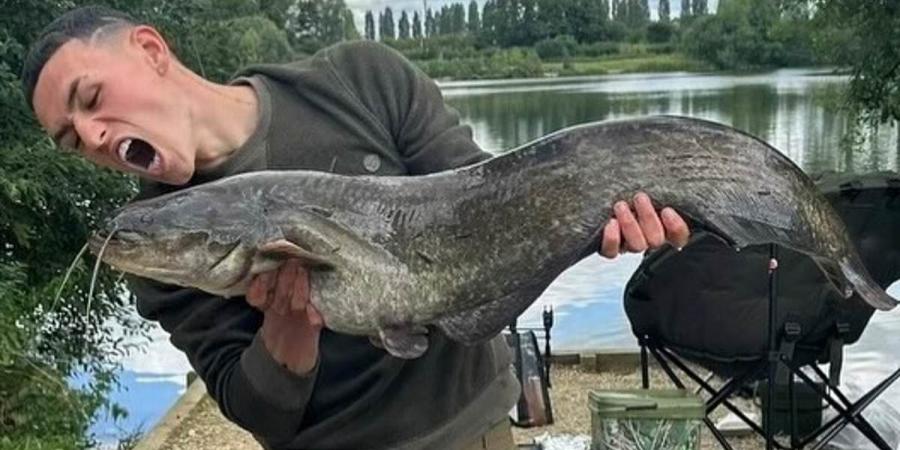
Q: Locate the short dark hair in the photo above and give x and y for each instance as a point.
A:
(78, 23)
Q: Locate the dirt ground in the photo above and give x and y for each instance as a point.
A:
(206, 429)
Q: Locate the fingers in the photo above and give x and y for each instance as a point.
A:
(315, 319)
(643, 228)
(283, 291)
(300, 295)
(677, 230)
(632, 234)
(258, 292)
(284, 287)
(649, 221)
(610, 245)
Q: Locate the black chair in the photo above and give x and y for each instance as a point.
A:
(534, 408)
(765, 313)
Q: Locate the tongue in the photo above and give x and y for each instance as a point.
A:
(140, 153)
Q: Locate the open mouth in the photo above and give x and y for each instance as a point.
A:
(139, 154)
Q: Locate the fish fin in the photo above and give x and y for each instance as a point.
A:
(281, 249)
(404, 341)
(859, 279)
(487, 320)
(376, 341)
(739, 232)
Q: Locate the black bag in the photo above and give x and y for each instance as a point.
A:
(534, 408)
(709, 303)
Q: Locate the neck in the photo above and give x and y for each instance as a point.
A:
(223, 117)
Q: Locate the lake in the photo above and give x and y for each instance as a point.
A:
(788, 108)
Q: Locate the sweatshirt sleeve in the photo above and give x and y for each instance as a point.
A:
(426, 131)
(220, 338)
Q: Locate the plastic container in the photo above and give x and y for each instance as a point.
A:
(645, 419)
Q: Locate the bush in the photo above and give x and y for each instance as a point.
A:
(507, 63)
(660, 32)
(598, 49)
(556, 48)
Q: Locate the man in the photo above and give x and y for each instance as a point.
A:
(110, 89)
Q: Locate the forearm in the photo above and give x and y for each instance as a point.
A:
(222, 342)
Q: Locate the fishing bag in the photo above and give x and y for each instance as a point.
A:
(709, 304)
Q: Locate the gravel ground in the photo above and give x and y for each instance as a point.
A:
(206, 429)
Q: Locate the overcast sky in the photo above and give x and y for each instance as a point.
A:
(359, 7)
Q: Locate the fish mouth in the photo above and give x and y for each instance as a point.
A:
(139, 154)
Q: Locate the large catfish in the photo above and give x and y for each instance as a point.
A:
(468, 250)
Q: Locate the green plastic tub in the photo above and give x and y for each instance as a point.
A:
(645, 419)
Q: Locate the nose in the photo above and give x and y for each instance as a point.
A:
(92, 132)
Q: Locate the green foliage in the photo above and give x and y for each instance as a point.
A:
(558, 47)
(313, 24)
(506, 63)
(660, 32)
(747, 34)
(57, 359)
(864, 37)
(49, 202)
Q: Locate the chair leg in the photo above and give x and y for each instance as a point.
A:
(645, 367)
(852, 414)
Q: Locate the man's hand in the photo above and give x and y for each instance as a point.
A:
(642, 229)
(291, 325)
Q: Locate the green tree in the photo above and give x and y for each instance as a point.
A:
(685, 9)
(49, 203)
(474, 22)
(416, 26)
(370, 26)
(551, 18)
(387, 25)
(700, 7)
(588, 20)
(664, 11)
(458, 18)
(429, 24)
(404, 25)
(313, 24)
(748, 34)
(863, 37)
(488, 35)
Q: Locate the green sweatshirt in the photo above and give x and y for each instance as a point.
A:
(355, 108)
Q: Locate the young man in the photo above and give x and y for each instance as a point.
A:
(109, 88)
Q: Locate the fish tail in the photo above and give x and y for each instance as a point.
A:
(862, 283)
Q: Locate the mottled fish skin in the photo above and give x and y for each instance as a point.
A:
(468, 250)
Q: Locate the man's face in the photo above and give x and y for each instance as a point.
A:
(113, 102)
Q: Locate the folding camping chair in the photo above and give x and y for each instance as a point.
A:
(767, 313)
(533, 371)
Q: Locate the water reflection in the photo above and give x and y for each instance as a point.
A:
(787, 108)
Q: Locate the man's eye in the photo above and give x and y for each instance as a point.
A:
(93, 102)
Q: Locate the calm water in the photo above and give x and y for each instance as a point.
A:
(786, 108)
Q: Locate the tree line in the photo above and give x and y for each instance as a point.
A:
(525, 22)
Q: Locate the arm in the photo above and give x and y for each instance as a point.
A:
(220, 338)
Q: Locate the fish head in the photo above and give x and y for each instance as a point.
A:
(190, 238)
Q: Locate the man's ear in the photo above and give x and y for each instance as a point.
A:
(153, 47)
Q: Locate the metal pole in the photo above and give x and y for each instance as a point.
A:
(773, 355)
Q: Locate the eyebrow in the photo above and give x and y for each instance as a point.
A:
(70, 102)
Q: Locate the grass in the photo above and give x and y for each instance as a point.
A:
(670, 62)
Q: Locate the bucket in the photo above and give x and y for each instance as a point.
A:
(645, 419)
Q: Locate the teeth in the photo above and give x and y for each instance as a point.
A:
(123, 150)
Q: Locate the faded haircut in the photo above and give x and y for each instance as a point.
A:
(84, 23)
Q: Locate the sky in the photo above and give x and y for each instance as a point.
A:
(359, 7)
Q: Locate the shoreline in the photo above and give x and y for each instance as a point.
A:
(195, 422)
